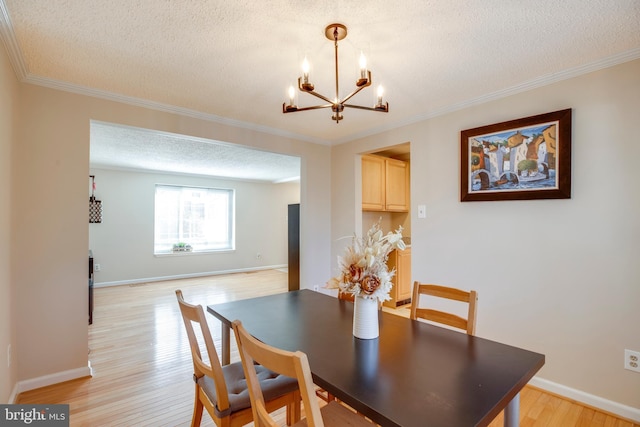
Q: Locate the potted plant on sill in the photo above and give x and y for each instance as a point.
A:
(182, 247)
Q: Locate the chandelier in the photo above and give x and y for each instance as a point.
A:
(335, 32)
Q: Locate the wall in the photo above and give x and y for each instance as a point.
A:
(50, 218)
(123, 243)
(560, 277)
(8, 109)
(576, 302)
(389, 221)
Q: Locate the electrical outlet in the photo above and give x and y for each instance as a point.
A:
(258, 255)
(315, 288)
(9, 356)
(97, 267)
(632, 360)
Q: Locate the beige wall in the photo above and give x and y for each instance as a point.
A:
(8, 110)
(555, 276)
(50, 223)
(560, 277)
(123, 243)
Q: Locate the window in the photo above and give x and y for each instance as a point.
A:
(202, 218)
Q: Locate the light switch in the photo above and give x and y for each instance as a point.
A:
(422, 211)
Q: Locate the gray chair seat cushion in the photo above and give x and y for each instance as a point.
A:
(273, 385)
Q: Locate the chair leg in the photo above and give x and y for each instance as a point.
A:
(196, 419)
(293, 409)
(325, 395)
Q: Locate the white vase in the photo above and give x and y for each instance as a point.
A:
(365, 318)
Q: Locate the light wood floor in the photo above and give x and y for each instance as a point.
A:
(142, 370)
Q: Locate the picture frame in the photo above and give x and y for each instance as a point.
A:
(522, 159)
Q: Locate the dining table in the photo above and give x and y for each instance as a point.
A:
(414, 374)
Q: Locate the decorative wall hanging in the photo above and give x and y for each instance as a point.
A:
(523, 159)
(95, 206)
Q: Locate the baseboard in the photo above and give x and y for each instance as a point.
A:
(13, 395)
(46, 380)
(623, 411)
(186, 276)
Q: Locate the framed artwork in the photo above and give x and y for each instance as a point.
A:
(523, 159)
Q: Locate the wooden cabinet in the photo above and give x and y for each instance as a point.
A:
(402, 283)
(373, 183)
(385, 184)
(396, 185)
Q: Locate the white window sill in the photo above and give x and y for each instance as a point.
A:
(185, 253)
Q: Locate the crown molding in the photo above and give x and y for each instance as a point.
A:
(7, 34)
(15, 57)
(11, 44)
(627, 56)
(158, 106)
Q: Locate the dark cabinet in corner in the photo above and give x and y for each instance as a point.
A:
(90, 287)
(293, 221)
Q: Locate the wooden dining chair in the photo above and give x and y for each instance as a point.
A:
(438, 316)
(346, 296)
(222, 390)
(293, 364)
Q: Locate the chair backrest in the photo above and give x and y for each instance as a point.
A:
(292, 364)
(470, 297)
(346, 296)
(193, 316)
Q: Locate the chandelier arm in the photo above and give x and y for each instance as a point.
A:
(315, 107)
(317, 95)
(369, 81)
(382, 109)
(311, 92)
(346, 98)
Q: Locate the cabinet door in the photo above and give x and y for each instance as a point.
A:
(402, 286)
(392, 263)
(397, 186)
(403, 281)
(373, 177)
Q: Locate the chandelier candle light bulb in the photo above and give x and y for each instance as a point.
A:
(363, 69)
(306, 86)
(380, 93)
(292, 93)
(292, 106)
(305, 70)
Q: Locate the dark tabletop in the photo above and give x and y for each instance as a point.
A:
(414, 374)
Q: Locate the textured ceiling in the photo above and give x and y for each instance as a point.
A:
(128, 148)
(233, 61)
